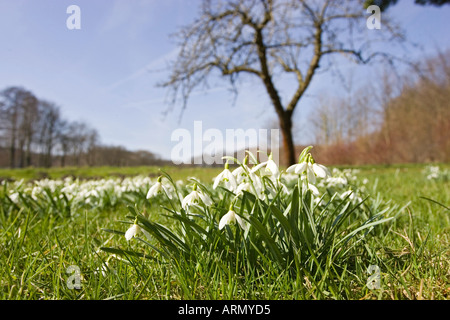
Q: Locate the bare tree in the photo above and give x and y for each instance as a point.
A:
(63, 138)
(29, 116)
(93, 140)
(384, 4)
(19, 113)
(269, 39)
(79, 133)
(48, 133)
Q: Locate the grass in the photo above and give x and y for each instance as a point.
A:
(38, 245)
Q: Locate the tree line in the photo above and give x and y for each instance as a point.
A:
(33, 132)
(403, 119)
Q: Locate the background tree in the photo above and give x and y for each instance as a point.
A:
(405, 120)
(268, 40)
(48, 135)
(384, 4)
(29, 117)
(18, 114)
(34, 133)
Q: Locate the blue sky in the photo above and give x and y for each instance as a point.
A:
(100, 74)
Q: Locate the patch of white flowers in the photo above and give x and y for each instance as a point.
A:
(263, 180)
(91, 192)
(436, 173)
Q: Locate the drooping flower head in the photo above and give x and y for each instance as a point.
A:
(308, 168)
(132, 231)
(227, 178)
(247, 180)
(270, 168)
(242, 172)
(195, 197)
(156, 189)
(230, 218)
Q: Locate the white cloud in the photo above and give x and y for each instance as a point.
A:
(153, 66)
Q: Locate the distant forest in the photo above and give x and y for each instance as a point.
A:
(33, 133)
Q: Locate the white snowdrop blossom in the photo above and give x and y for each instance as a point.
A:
(309, 168)
(248, 180)
(310, 175)
(195, 197)
(227, 177)
(321, 171)
(132, 232)
(353, 196)
(311, 187)
(230, 218)
(271, 168)
(156, 189)
(241, 173)
(298, 168)
(244, 186)
(14, 197)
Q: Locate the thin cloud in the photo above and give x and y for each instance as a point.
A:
(153, 66)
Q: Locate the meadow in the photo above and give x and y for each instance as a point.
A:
(98, 233)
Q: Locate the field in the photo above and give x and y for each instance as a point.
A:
(63, 237)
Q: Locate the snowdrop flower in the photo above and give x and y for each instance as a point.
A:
(242, 172)
(156, 189)
(230, 218)
(194, 197)
(245, 186)
(256, 188)
(320, 170)
(239, 173)
(311, 187)
(298, 168)
(271, 167)
(14, 197)
(227, 177)
(353, 197)
(312, 169)
(338, 182)
(132, 231)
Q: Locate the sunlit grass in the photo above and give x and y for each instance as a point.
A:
(39, 244)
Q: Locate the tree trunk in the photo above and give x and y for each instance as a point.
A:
(12, 154)
(288, 142)
(12, 146)
(22, 153)
(28, 153)
(63, 160)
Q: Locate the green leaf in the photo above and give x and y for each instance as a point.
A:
(365, 226)
(303, 154)
(267, 238)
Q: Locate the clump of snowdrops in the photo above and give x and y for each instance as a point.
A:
(253, 219)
